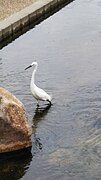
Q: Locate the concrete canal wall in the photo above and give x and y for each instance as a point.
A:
(20, 22)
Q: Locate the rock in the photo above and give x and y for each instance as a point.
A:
(15, 133)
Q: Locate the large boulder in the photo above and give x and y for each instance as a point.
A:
(15, 133)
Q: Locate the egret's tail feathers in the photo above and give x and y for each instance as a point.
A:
(50, 98)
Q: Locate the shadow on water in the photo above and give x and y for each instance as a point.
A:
(39, 115)
(0, 60)
(15, 166)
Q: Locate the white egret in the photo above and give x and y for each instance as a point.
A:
(38, 93)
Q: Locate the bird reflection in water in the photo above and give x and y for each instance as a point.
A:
(39, 115)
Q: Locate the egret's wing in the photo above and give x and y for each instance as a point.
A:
(41, 94)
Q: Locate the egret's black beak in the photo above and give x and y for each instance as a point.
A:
(28, 67)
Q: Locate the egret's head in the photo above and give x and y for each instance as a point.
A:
(34, 64)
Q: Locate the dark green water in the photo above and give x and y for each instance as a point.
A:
(66, 136)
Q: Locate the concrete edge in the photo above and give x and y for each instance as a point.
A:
(30, 15)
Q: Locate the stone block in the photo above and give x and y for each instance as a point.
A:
(40, 13)
(16, 26)
(54, 4)
(32, 17)
(0, 35)
(7, 31)
(25, 21)
(47, 8)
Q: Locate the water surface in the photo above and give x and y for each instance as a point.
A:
(66, 136)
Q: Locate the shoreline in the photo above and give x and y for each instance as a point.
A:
(20, 22)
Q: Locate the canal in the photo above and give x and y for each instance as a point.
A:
(66, 136)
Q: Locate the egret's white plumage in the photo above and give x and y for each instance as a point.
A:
(38, 93)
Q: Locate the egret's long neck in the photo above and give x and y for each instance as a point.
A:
(33, 75)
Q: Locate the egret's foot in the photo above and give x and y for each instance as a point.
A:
(37, 105)
(50, 103)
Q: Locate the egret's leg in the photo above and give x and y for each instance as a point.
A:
(49, 102)
(37, 104)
